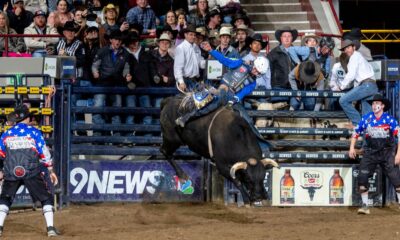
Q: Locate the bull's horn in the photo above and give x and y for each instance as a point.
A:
(237, 166)
(267, 161)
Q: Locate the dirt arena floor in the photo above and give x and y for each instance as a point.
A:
(206, 221)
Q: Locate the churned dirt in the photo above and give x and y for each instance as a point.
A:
(206, 221)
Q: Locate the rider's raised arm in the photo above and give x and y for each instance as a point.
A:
(227, 62)
(246, 90)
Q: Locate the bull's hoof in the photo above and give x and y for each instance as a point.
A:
(258, 204)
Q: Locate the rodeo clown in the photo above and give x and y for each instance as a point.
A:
(379, 130)
(26, 160)
(237, 83)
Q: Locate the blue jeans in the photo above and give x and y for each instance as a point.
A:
(39, 53)
(99, 100)
(309, 103)
(144, 101)
(363, 92)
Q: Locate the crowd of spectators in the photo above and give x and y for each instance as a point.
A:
(106, 37)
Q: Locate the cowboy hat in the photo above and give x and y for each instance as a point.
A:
(257, 37)
(279, 32)
(201, 31)
(225, 31)
(166, 28)
(131, 37)
(308, 36)
(238, 16)
(136, 27)
(242, 27)
(354, 34)
(164, 37)
(211, 14)
(68, 26)
(115, 34)
(345, 44)
(111, 6)
(189, 28)
(20, 113)
(309, 72)
(380, 98)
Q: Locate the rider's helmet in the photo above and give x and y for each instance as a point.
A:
(261, 64)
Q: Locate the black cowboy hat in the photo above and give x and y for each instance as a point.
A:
(354, 34)
(309, 72)
(69, 26)
(190, 28)
(20, 113)
(279, 32)
(212, 13)
(137, 27)
(380, 98)
(131, 37)
(166, 28)
(257, 37)
(115, 34)
(238, 16)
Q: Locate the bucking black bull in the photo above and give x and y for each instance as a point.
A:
(224, 137)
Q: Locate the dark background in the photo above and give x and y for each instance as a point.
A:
(368, 14)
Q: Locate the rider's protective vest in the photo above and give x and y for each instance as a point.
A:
(235, 79)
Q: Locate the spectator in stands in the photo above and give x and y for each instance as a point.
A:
(171, 20)
(242, 19)
(110, 68)
(213, 20)
(181, 25)
(355, 35)
(92, 45)
(188, 61)
(280, 61)
(306, 76)
(172, 36)
(96, 7)
(164, 65)
(339, 71)
(213, 38)
(229, 8)
(224, 47)
(69, 45)
(360, 73)
(242, 44)
(201, 37)
(110, 13)
(198, 15)
(35, 5)
(143, 70)
(16, 45)
(80, 19)
(40, 46)
(256, 45)
(59, 17)
(143, 15)
(18, 16)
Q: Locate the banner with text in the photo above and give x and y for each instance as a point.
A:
(98, 181)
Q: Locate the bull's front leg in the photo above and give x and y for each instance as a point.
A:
(225, 171)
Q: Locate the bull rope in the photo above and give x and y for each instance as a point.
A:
(210, 149)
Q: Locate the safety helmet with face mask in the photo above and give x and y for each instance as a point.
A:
(261, 64)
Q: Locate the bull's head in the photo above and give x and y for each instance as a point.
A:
(253, 176)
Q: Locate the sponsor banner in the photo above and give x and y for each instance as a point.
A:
(312, 186)
(294, 185)
(215, 70)
(98, 181)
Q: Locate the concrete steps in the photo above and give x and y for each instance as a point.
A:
(272, 7)
(268, 1)
(277, 16)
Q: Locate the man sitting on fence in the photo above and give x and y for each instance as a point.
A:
(361, 73)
